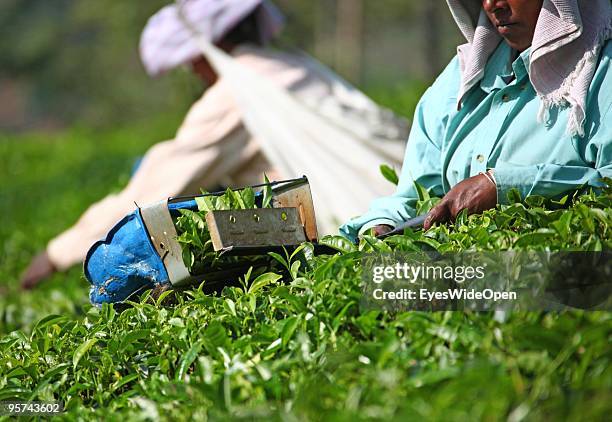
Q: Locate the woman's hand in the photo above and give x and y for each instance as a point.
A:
(381, 229)
(476, 194)
(40, 269)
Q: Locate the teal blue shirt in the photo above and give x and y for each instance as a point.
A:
(497, 128)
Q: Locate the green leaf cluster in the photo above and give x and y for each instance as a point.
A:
(582, 223)
(198, 253)
(301, 348)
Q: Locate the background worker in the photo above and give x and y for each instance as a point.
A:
(213, 146)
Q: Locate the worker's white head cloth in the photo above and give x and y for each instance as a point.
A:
(568, 38)
(166, 43)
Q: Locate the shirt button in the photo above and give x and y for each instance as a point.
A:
(480, 158)
(505, 98)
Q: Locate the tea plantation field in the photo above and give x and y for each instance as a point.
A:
(294, 349)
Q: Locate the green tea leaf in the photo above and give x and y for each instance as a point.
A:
(341, 244)
(81, 350)
(216, 334)
(204, 203)
(133, 336)
(422, 192)
(123, 381)
(267, 193)
(248, 198)
(289, 327)
(188, 358)
(263, 280)
(514, 196)
(389, 174)
(281, 259)
(534, 239)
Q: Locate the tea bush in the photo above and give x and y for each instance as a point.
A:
(301, 347)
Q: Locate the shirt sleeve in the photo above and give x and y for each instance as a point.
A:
(422, 160)
(211, 118)
(553, 180)
(206, 145)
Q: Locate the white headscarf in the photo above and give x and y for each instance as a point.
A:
(166, 43)
(568, 38)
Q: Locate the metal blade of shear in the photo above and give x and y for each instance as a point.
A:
(412, 223)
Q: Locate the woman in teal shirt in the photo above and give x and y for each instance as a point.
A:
(526, 104)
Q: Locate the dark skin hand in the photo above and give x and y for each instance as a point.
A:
(40, 269)
(381, 229)
(476, 194)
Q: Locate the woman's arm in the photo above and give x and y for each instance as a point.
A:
(422, 160)
(477, 194)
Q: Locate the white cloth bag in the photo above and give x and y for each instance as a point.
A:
(340, 153)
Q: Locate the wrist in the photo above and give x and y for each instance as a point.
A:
(492, 182)
(490, 177)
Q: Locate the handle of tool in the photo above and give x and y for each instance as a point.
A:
(412, 223)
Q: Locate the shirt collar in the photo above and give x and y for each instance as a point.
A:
(499, 68)
(521, 64)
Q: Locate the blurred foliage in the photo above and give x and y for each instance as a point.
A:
(48, 181)
(77, 60)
